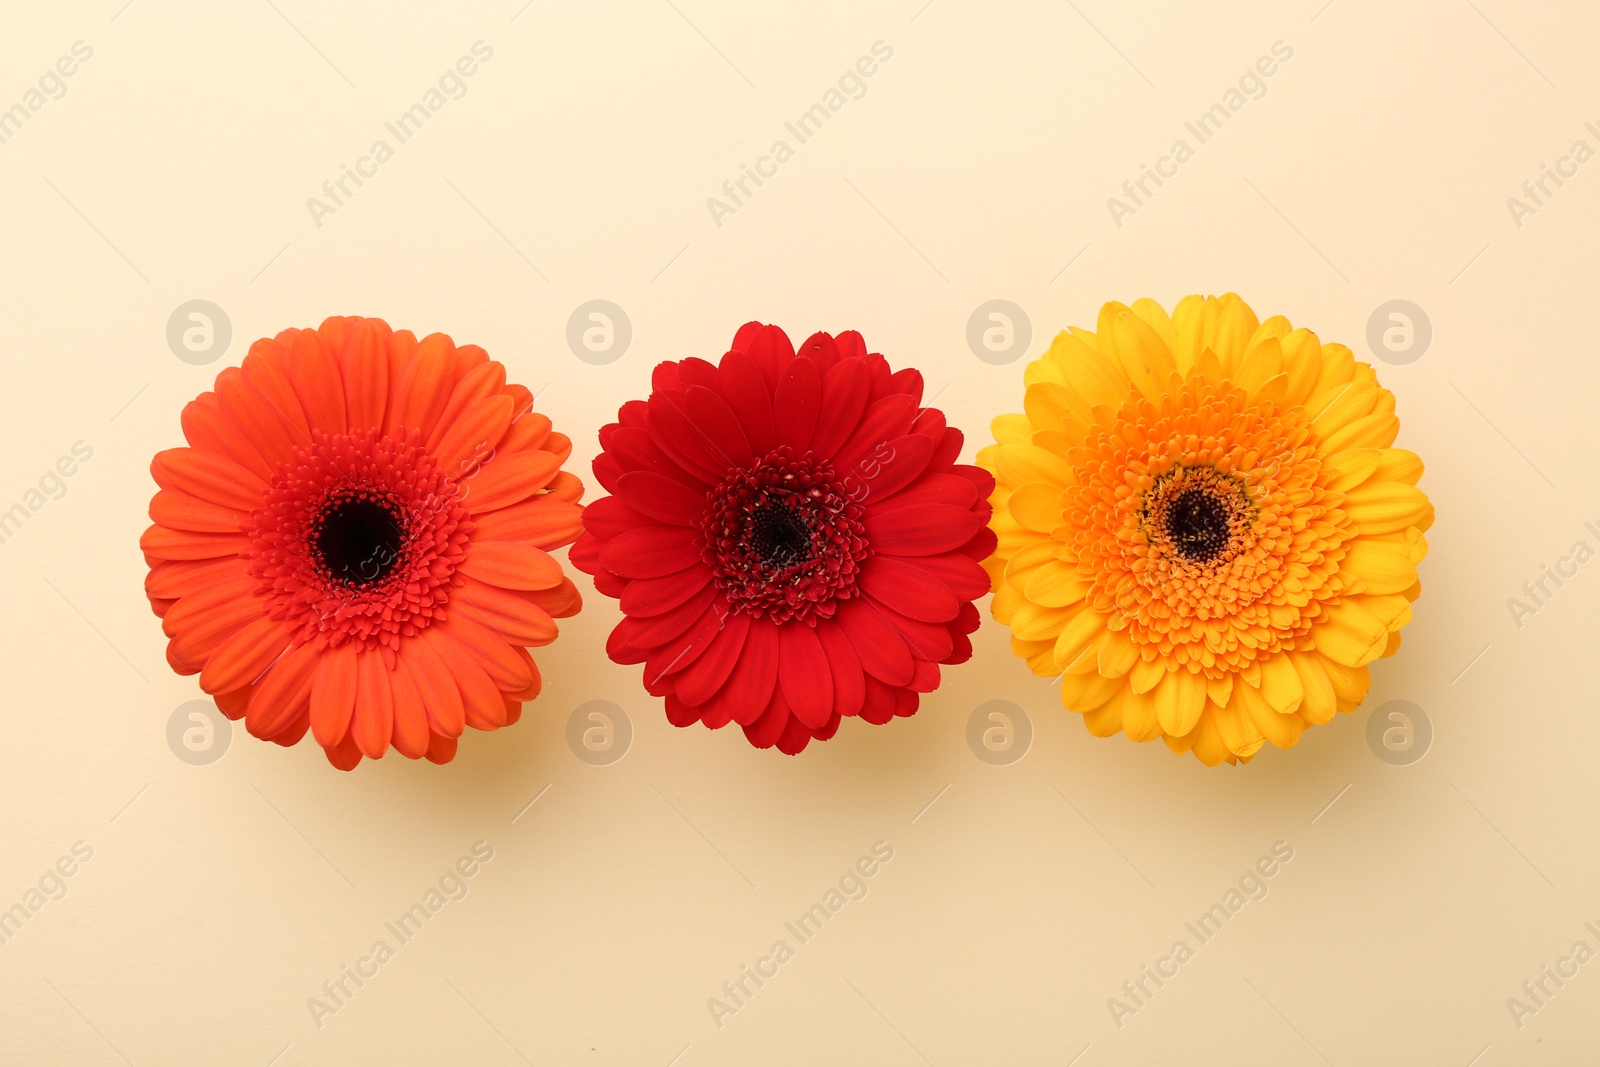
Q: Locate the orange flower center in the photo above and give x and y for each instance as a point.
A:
(1203, 526)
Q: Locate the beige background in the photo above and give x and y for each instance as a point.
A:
(977, 166)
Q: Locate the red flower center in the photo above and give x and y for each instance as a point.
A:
(784, 538)
(357, 539)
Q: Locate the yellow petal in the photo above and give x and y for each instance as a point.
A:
(1377, 430)
(1400, 465)
(1261, 361)
(1342, 407)
(1036, 506)
(1236, 729)
(1028, 559)
(1077, 635)
(1382, 507)
(1139, 349)
(1018, 464)
(1189, 326)
(1093, 380)
(1118, 654)
(1382, 566)
(1085, 692)
(1146, 674)
(1350, 684)
(1220, 689)
(1055, 585)
(1208, 744)
(1282, 730)
(1345, 470)
(1351, 635)
(1011, 429)
(1320, 703)
(1280, 684)
(1302, 359)
(1155, 316)
(1032, 622)
(1180, 698)
(1105, 720)
(1139, 719)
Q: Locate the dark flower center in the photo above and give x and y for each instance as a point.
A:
(784, 538)
(358, 539)
(779, 535)
(1198, 525)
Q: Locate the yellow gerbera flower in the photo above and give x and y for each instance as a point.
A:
(1203, 528)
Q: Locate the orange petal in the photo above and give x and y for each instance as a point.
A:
(482, 704)
(209, 476)
(508, 478)
(333, 695)
(180, 511)
(507, 665)
(441, 697)
(410, 720)
(373, 721)
(284, 693)
(241, 658)
(512, 565)
(541, 521)
(511, 614)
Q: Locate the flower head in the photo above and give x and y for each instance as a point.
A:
(356, 541)
(1204, 529)
(790, 537)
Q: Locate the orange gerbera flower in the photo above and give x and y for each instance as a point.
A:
(1204, 530)
(356, 541)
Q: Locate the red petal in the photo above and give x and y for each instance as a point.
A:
(650, 552)
(884, 421)
(748, 689)
(670, 625)
(749, 395)
(795, 406)
(849, 686)
(718, 427)
(920, 531)
(893, 466)
(652, 596)
(882, 651)
(663, 499)
(673, 432)
(962, 574)
(705, 676)
(908, 589)
(768, 347)
(804, 674)
(844, 398)
(940, 489)
(765, 731)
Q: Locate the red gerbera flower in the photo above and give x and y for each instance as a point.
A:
(790, 536)
(356, 541)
